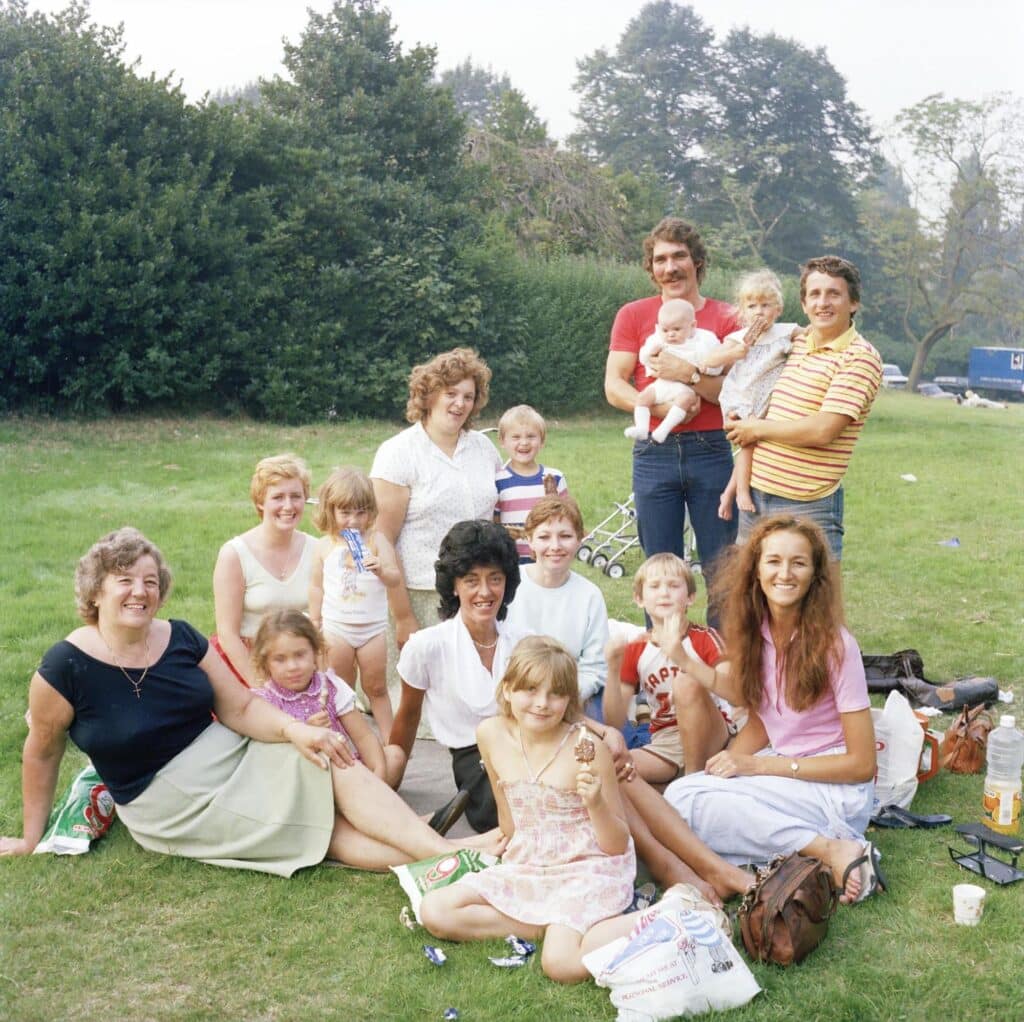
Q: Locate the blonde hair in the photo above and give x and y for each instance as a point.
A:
(282, 622)
(666, 564)
(345, 487)
(537, 659)
(116, 551)
(760, 284)
(548, 508)
(446, 370)
(273, 470)
(522, 415)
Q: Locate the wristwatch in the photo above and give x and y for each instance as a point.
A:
(696, 376)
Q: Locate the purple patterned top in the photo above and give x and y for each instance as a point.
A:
(303, 705)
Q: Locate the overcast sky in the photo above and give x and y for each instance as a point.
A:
(891, 52)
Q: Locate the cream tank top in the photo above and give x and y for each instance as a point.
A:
(264, 592)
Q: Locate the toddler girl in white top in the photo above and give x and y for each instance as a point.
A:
(757, 354)
(353, 567)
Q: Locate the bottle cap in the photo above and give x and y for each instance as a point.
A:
(1008, 720)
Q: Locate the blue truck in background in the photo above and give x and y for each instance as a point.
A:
(996, 369)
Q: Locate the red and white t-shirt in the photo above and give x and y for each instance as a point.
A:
(644, 665)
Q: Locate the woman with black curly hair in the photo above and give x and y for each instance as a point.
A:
(452, 669)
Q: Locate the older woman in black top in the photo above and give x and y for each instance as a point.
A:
(254, 789)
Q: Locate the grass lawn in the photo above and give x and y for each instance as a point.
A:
(125, 934)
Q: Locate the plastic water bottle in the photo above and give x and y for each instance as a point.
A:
(1001, 802)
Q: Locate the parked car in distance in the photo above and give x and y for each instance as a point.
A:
(934, 390)
(956, 384)
(892, 376)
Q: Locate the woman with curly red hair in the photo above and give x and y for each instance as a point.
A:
(804, 781)
(437, 472)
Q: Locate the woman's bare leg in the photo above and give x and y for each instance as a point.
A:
(664, 865)
(672, 832)
(369, 808)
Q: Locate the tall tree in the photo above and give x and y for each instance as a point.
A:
(650, 104)
(371, 231)
(957, 252)
(789, 154)
(119, 255)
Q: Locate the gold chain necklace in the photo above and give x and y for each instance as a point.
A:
(136, 685)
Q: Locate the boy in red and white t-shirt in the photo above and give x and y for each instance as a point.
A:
(688, 723)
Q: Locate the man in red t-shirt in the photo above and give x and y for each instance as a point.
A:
(688, 472)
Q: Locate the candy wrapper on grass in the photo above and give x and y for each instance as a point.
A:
(419, 877)
(82, 816)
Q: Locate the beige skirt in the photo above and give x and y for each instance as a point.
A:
(230, 801)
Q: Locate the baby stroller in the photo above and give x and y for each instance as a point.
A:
(609, 541)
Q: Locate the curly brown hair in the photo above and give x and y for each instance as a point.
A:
(673, 228)
(116, 551)
(816, 648)
(446, 370)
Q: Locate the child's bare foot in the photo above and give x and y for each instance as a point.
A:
(725, 507)
(745, 501)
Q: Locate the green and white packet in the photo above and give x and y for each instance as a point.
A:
(429, 874)
(83, 815)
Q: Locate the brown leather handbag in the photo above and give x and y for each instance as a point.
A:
(966, 741)
(785, 915)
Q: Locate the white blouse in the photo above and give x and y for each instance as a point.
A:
(442, 491)
(460, 692)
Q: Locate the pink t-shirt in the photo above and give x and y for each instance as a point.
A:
(818, 729)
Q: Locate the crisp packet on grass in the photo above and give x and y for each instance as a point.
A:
(419, 877)
(83, 815)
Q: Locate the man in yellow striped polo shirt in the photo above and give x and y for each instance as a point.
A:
(817, 409)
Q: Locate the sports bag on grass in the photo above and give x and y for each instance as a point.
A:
(963, 748)
(785, 915)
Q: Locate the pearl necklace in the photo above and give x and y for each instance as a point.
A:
(136, 685)
(484, 645)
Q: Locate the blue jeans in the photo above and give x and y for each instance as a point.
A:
(687, 473)
(826, 511)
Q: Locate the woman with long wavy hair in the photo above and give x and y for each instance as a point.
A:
(789, 659)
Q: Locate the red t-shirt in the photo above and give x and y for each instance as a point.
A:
(643, 664)
(635, 322)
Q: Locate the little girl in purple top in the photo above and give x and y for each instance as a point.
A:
(285, 654)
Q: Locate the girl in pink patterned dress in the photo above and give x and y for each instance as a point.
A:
(569, 863)
(285, 654)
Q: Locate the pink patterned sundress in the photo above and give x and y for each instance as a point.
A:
(553, 870)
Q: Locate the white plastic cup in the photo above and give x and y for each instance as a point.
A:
(968, 904)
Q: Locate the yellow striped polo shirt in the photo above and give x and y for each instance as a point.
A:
(840, 376)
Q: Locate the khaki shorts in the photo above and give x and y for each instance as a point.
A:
(667, 745)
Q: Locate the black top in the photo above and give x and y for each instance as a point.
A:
(129, 739)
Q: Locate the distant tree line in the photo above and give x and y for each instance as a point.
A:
(292, 249)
